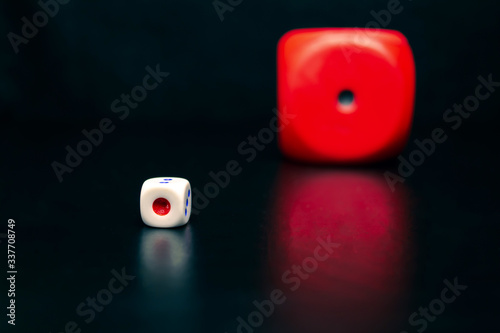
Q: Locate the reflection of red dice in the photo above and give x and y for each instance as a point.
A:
(368, 266)
(351, 92)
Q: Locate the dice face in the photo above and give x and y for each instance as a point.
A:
(165, 202)
(348, 92)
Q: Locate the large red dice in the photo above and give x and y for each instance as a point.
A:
(345, 95)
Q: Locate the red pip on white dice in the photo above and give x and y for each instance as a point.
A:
(165, 202)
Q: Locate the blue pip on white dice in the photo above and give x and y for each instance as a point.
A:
(165, 202)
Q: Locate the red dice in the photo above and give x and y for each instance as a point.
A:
(349, 92)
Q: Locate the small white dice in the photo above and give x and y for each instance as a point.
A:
(166, 202)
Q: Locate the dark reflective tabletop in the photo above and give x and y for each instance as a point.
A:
(282, 246)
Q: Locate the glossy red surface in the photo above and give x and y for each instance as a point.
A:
(316, 65)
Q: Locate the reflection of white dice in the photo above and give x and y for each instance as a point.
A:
(165, 202)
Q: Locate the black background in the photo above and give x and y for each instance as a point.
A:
(221, 89)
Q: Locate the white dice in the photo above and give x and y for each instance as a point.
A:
(166, 202)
